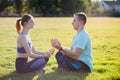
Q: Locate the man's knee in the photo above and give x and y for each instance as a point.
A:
(65, 58)
(58, 55)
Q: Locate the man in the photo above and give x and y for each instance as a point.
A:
(79, 57)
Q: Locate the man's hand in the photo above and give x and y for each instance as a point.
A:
(55, 43)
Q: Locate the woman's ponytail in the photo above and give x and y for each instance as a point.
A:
(19, 26)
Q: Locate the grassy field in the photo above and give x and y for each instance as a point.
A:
(105, 34)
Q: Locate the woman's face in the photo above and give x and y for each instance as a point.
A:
(30, 23)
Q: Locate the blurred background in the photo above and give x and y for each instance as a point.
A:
(53, 19)
(52, 8)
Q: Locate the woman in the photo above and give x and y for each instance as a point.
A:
(26, 49)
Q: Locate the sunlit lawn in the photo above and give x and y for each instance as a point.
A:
(105, 35)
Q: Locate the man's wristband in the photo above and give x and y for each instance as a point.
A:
(61, 49)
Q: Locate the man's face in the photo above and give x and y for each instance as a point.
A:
(76, 23)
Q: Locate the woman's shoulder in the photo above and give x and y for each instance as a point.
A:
(24, 37)
(21, 36)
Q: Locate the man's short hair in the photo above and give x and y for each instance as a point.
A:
(81, 16)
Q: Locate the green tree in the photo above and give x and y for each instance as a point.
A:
(18, 6)
(4, 4)
(41, 6)
(52, 7)
(87, 6)
(71, 6)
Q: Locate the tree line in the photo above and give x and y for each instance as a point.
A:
(44, 7)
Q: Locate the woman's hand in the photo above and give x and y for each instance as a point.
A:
(49, 53)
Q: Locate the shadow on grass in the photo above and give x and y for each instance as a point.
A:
(16, 76)
(47, 76)
(63, 76)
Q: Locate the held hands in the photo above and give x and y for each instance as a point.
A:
(55, 43)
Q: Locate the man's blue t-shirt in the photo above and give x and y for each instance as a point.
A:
(83, 41)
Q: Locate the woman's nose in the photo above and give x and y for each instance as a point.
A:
(72, 23)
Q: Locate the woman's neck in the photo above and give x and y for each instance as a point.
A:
(24, 31)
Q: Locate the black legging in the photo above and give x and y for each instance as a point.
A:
(22, 66)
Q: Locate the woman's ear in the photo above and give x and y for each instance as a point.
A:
(25, 23)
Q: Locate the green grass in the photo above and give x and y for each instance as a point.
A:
(105, 35)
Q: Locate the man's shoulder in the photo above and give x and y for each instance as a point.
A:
(83, 34)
